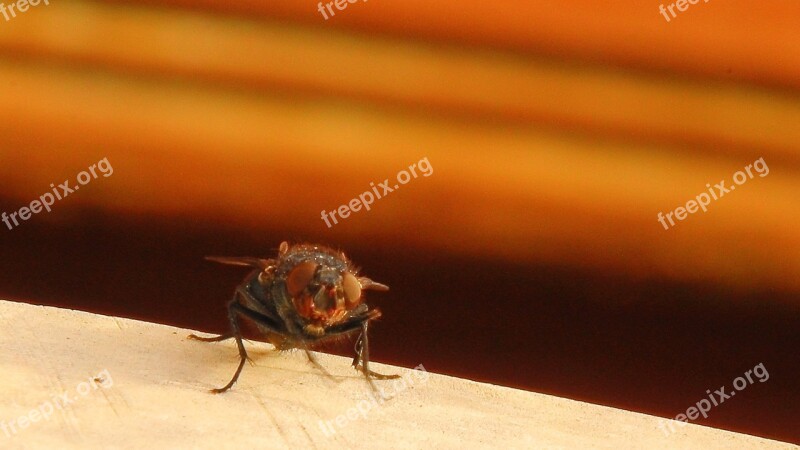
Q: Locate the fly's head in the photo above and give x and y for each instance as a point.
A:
(324, 287)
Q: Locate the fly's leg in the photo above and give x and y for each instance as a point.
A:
(234, 310)
(316, 364)
(221, 337)
(361, 360)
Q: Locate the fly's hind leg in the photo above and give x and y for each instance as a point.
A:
(235, 312)
(221, 337)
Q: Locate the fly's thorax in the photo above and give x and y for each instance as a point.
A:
(292, 256)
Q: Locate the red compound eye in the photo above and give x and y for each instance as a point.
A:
(299, 277)
(352, 290)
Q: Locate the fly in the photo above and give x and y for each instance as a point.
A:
(308, 294)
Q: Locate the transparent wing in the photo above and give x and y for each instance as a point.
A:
(248, 261)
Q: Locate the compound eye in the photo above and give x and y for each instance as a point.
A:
(299, 277)
(352, 290)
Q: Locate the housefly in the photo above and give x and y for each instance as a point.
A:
(307, 295)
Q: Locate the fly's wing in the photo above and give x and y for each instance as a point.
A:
(247, 261)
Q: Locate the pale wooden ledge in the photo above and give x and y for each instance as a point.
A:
(146, 386)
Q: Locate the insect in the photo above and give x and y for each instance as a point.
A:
(308, 294)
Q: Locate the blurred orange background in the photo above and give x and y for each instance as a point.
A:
(557, 131)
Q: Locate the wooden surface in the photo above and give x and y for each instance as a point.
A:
(142, 385)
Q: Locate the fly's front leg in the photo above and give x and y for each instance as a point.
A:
(361, 360)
